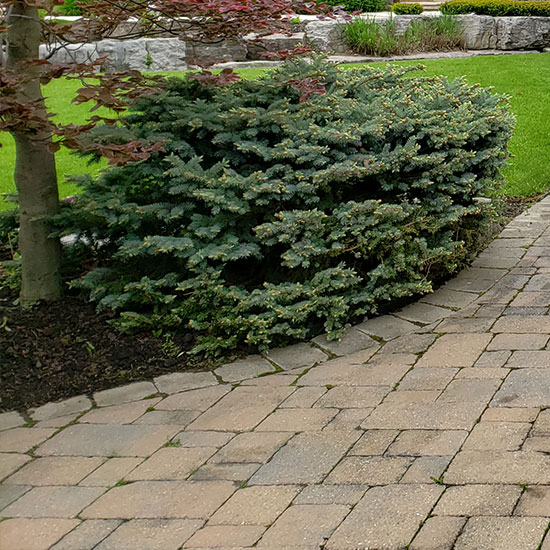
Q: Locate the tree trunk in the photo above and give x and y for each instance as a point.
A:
(35, 175)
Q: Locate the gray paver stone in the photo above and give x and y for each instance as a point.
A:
(492, 436)
(535, 501)
(242, 409)
(33, 534)
(110, 472)
(455, 350)
(353, 340)
(523, 325)
(524, 388)
(423, 313)
(260, 505)
(306, 458)
(297, 420)
(304, 525)
(11, 420)
(22, 440)
(372, 523)
(428, 442)
(447, 297)
(251, 447)
(470, 390)
(225, 536)
(296, 356)
(427, 416)
(529, 359)
(10, 493)
(225, 470)
(171, 463)
(426, 469)
(427, 379)
(343, 372)
(410, 343)
(87, 535)
(505, 467)
(438, 533)
(518, 342)
(374, 442)
(331, 494)
(124, 413)
(151, 534)
(356, 397)
(386, 327)
(196, 400)
(478, 500)
(76, 404)
(59, 470)
(492, 533)
(303, 397)
(161, 499)
(53, 502)
(181, 381)
(125, 394)
(108, 440)
(10, 462)
(249, 367)
(371, 470)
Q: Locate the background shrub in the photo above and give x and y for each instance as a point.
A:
(360, 5)
(407, 9)
(267, 218)
(367, 37)
(497, 7)
(70, 8)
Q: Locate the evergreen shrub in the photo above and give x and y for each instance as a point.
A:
(497, 7)
(69, 7)
(269, 217)
(407, 9)
(366, 6)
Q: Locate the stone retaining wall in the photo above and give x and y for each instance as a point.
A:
(481, 32)
(171, 54)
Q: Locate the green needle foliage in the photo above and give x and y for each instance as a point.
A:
(268, 219)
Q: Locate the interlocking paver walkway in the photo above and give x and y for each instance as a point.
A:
(427, 429)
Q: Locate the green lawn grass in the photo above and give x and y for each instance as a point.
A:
(525, 78)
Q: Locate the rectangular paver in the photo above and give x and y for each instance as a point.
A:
(33, 534)
(151, 534)
(505, 467)
(455, 350)
(427, 416)
(161, 499)
(304, 525)
(260, 505)
(53, 502)
(478, 500)
(171, 463)
(107, 440)
(306, 458)
(241, 410)
(59, 470)
(87, 535)
(372, 523)
(502, 533)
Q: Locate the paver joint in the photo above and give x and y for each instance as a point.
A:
(425, 429)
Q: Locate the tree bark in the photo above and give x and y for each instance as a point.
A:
(35, 174)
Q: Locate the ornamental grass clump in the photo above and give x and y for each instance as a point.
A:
(275, 212)
(427, 34)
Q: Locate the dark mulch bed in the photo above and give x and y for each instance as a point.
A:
(57, 350)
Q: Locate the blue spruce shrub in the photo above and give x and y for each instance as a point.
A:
(266, 219)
